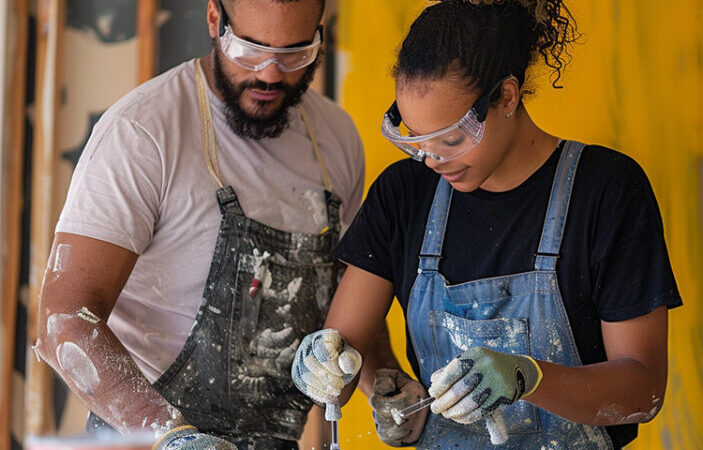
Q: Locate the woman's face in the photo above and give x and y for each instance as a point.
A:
(430, 105)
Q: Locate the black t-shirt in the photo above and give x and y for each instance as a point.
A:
(613, 263)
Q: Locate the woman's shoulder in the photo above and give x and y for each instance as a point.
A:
(607, 168)
(609, 162)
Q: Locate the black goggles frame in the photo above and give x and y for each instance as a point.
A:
(480, 107)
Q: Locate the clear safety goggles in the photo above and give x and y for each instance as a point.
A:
(446, 144)
(256, 57)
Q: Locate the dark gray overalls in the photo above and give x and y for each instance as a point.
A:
(232, 377)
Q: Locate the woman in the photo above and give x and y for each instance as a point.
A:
(532, 271)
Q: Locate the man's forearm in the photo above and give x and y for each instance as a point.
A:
(96, 366)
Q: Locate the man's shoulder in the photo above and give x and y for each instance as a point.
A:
(157, 97)
(323, 109)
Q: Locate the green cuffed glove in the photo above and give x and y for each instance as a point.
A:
(479, 380)
(189, 438)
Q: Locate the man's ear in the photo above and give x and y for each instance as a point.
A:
(213, 18)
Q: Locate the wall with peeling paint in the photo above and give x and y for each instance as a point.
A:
(98, 66)
(636, 84)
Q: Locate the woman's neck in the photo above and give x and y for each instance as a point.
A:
(530, 148)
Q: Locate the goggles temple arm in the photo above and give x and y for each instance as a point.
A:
(224, 19)
(394, 114)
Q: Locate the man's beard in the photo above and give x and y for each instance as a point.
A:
(253, 127)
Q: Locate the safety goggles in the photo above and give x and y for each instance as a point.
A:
(256, 57)
(446, 144)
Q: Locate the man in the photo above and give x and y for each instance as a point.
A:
(231, 152)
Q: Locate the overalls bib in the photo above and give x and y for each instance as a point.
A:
(232, 377)
(521, 313)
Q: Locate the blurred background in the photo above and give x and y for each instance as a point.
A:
(635, 84)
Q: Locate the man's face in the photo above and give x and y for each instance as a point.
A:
(257, 103)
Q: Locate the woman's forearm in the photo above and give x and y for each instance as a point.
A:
(609, 393)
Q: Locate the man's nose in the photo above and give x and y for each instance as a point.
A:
(270, 74)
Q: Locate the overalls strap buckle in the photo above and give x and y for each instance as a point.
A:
(228, 202)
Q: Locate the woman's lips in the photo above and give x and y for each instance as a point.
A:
(454, 176)
(265, 96)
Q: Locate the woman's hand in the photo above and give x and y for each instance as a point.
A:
(479, 380)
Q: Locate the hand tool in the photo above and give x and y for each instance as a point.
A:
(494, 421)
(332, 414)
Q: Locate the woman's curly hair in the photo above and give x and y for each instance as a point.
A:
(556, 26)
(487, 40)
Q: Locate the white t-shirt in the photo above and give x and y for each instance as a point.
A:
(142, 183)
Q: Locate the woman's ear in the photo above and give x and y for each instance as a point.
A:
(510, 99)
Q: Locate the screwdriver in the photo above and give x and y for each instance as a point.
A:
(494, 421)
(332, 414)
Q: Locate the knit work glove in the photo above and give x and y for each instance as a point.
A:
(479, 380)
(323, 365)
(189, 438)
(395, 390)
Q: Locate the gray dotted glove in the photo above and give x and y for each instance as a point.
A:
(395, 390)
(323, 365)
(189, 438)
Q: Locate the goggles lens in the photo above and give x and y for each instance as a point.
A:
(256, 57)
(443, 145)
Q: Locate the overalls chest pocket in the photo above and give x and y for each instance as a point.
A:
(452, 335)
(292, 301)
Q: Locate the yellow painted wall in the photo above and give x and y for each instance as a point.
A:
(635, 84)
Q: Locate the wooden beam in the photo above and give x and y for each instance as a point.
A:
(39, 418)
(12, 166)
(147, 39)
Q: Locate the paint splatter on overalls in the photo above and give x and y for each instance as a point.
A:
(521, 313)
(232, 377)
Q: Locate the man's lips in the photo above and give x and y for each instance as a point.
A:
(454, 176)
(265, 96)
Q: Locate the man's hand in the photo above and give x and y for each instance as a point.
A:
(189, 438)
(395, 390)
(479, 380)
(323, 365)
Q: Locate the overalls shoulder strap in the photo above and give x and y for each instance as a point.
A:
(555, 219)
(436, 225)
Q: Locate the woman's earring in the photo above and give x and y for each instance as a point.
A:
(507, 116)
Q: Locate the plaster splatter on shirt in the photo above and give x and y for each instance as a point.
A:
(78, 367)
(317, 207)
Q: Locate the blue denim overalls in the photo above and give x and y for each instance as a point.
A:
(521, 313)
